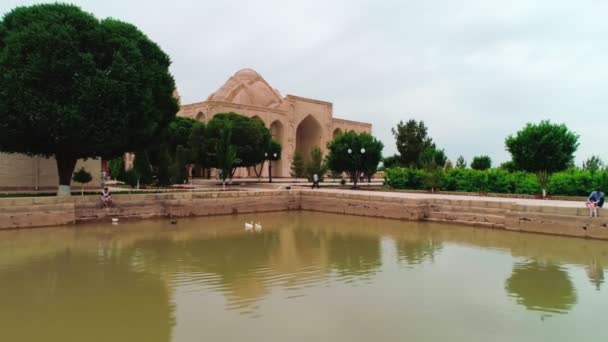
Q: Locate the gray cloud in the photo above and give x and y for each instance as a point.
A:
(474, 70)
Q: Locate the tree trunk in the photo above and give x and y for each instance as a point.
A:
(255, 169)
(65, 168)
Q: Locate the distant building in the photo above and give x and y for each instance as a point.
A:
(297, 123)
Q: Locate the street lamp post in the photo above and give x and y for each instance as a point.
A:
(270, 165)
(357, 160)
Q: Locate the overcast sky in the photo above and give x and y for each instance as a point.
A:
(473, 70)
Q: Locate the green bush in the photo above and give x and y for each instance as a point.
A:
(469, 180)
(406, 178)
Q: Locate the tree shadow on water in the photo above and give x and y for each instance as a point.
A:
(541, 287)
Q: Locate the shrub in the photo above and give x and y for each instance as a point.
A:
(83, 177)
(406, 178)
(481, 163)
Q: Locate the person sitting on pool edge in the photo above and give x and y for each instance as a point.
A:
(595, 201)
(106, 197)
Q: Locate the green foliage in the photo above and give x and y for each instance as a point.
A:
(593, 164)
(177, 171)
(82, 176)
(461, 163)
(467, 180)
(142, 167)
(274, 150)
(180, 131)
(131, 178)
(412, 139)
(508, 166)
(316, 165)
(83, 87)
(226, 154)
(432, 157)
(249, 137)
(575, 182)
(117, 167)
(448, 165)
(481, 163)
(162, 171)
(199, 145)
(298, 167)
(364, 157)
(391, 161)
(405, 178)
(543, 149)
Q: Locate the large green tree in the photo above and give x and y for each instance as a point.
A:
(73, 86)
(249, 136)
(225, 154)
(354, 153)
(316, 165)
(543, 149)
(481, 163)
(412, 140)
(179, 132)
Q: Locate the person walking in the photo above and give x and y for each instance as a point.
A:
(594, 202)
(315, 181)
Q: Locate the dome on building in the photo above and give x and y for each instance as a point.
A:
(247, 87)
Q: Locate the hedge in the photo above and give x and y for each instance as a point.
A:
(573, 182)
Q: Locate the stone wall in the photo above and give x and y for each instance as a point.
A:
(20, 172)
(546, 219)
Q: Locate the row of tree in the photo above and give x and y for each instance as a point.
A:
(541, 149)
(355, 154)
(227, 142)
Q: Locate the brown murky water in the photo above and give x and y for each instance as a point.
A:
(304, 277)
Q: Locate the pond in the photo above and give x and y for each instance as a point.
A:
(301, 276)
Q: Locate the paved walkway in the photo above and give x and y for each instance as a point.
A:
(523, 201)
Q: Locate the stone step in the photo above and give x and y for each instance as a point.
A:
(467, 209)
(467, 217)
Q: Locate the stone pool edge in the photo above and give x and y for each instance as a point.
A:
(33, 212)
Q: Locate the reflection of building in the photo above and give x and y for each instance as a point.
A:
(297, 123)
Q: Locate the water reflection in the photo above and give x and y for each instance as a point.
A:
(595, 272)
(136, 276)
(80, 297)
(542, 287)
(354, 255)
(418, 250)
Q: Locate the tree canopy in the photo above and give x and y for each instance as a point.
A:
(364, 156)
(73, 86)
(412, 140)
(481, 163)
(249, 136)
(543, 149)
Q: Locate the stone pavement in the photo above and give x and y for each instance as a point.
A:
(410, 195)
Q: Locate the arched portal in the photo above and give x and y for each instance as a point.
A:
(200, 116)
(337, 132)
(255, 117)
(308, 136)
(277, 133)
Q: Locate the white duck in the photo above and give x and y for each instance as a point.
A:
(248, 226)
(114, 220)
(258, 227)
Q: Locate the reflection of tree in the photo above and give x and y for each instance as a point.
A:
(595, 272)
(77, 297)
(240, 261)
(417, 251)
(354, 254)
(542, 287)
